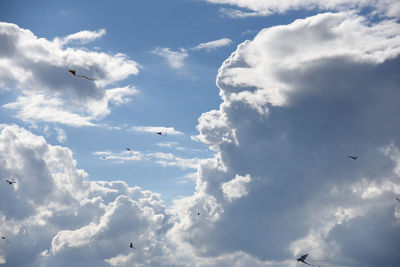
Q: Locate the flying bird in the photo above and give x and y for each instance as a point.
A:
(5, 239)
(128, 149)
(11, 182)
(398, 199)
(198, 214)
(159, 133)
(104, 157)
(83, 76)
(353, 157)
(132, 246)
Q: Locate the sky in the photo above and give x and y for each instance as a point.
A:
(258, 104)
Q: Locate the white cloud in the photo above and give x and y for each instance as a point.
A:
(36, 66)
(59, 217)
(236, 188)
(82, 37)
(175, 59)
(61, 135)
(155, 129)
(161, 158)
(267, 7)
(213, 44)
(119, 96)
(38, 107)
(297, 99)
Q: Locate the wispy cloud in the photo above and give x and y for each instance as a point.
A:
(61, 135)
(82, 37)
(155, 129)
(175, 59)
(209, 46)
(161, 158)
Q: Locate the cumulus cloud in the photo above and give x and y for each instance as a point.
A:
(297, 99)
(55, 216)
(37, 68)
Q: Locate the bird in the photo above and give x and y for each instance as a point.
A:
(5, 239)
(198, 214)
(11, 182)
(128, 149)
(398, 199)
(159, 133)
(73, 72)
(104, 157)
(132, 246)
(353, 157)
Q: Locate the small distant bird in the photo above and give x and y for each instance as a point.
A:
(128, 149)
(198, 214)
(104, 157)
(159, 133)
(353, 157)
(132, 246)
(398, 199)
(11, 182)
(83, 76)
(5, 239)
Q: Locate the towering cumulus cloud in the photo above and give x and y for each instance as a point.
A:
(297, 100)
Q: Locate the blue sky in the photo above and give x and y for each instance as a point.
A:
(259, 104)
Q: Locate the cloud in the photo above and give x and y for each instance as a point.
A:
(175, 59)
(56, 216)
(31, 66)
(82, 37)
(119, 96)
(297, 99)
(61, 135)
(235, 188)
(161, 158)
(209, 46)
(252, 8)
(38, 107)
(155, 129)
